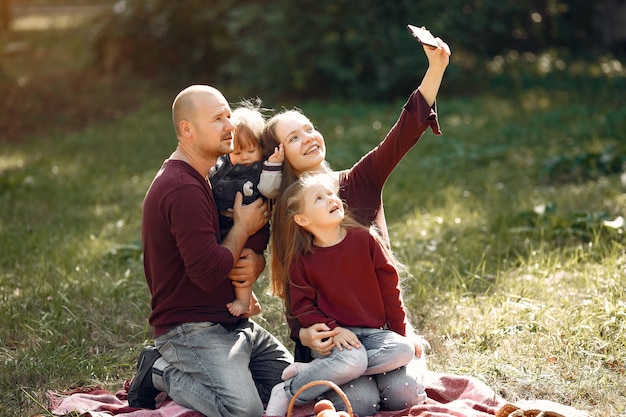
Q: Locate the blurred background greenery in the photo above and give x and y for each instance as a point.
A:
(356, 48)
(289, 51)
(512, 224)
(348, 48)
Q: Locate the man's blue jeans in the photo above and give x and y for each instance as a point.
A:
(219, 372)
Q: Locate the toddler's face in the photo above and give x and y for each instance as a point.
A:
(246, 156)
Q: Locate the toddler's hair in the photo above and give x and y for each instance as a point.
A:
(249, 123)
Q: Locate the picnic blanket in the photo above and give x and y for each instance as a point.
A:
(448, 396)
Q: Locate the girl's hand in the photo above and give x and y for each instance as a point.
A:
(278, 157)
(346, 339)
(419, 342)
(318, 337)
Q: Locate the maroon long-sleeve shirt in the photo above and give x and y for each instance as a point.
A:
(351, 284)
(362, 185)
(185, 266)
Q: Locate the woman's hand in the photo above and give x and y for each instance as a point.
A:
(438, 60)
(418, 350)
(419, 342)
(319, 338)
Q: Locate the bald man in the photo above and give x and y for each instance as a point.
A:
(205, 358)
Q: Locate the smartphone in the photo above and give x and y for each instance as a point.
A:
(423, 36)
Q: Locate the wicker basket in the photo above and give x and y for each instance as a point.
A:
(327, 383)
(510, 410)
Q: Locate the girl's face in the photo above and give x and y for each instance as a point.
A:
(304, 146)
(321, 207)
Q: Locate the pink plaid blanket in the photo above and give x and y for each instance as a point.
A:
(448, 396)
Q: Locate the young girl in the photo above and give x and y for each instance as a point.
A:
(341, 275)
(244, 170)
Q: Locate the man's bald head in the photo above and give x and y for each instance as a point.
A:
(186, 103)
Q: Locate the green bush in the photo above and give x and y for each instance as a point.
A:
(339, 48)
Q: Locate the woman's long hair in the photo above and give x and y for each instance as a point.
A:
(286, 241)
(270, 140)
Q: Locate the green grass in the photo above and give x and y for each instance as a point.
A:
(535, 308)
(531, 302)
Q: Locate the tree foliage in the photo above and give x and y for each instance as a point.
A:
(308, 48)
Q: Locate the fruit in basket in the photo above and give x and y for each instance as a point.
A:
(323, 405)
(325, 408)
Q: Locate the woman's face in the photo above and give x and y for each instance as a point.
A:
(304, 146)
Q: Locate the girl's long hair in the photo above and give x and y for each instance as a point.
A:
(288, 239)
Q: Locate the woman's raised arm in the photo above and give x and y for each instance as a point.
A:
(438, 59)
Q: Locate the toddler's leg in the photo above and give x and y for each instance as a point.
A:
(238, 307)
(241, 303)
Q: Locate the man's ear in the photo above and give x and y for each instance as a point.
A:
(301, 220)
(185, 128)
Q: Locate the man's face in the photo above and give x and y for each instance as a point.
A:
(212, 129)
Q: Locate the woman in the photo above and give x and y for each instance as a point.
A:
(361, 188)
